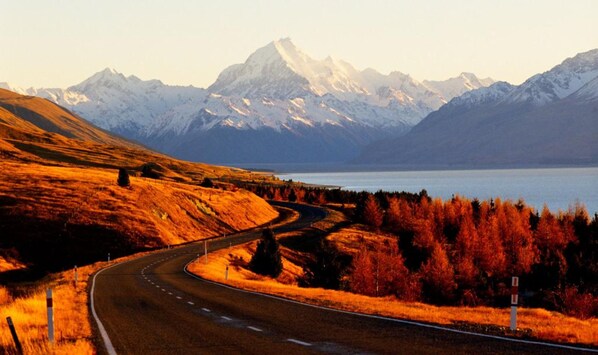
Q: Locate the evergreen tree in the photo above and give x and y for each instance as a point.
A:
(327, 269)
(267, 260)
(292, 196)
(123, 177)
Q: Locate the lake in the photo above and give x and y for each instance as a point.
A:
(557, 188)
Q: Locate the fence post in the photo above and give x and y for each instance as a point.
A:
(226, 273)
(514, 301)
(15, 337)
(50, 315)
(108, 257)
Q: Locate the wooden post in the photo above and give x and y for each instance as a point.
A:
(15, 337)
(226, 273)
(75, 276)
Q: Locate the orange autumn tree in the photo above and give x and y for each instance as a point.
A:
(438, 276)
(382, 272)
(372, 213)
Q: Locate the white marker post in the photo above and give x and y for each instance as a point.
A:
(108, 257)
(514, 301)
(75, 276)
(50, 315)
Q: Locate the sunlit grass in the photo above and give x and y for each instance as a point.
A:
(164, 212)
(28, 312)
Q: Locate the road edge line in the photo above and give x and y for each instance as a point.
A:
(397, 320)
(103, 333)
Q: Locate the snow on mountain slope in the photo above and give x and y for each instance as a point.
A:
(588, 92)
(62, 97)
(282, 71)
(277, 114)
(559, 82)
(127, 104)
(457, 86)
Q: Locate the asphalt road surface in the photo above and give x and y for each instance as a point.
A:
(151, 306)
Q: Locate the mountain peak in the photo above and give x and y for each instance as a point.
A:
(108, 75)
(283, 49)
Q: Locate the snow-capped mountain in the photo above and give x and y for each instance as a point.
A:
(279, 90)
(457, 86)
(281, 71)
(110, 100)
(559, 82)
(550, 119)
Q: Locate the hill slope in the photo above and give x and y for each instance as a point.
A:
(60, 204)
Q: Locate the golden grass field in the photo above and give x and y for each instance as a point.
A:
(547, 325)
(151, 213)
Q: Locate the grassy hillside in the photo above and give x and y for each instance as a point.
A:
(60, 204)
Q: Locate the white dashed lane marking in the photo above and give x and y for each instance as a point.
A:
(206, 310)
(255, 329)
(191, 303)
(178, 297)
(298, 342)
(226, 318)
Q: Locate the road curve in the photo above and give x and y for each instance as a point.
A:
(150, 305)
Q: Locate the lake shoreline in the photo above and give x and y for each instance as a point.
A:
(559, 188)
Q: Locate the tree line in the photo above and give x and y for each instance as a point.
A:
(463, 251)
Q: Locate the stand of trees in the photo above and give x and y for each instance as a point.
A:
(465, 251)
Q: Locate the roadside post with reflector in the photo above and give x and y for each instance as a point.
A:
(514, 301)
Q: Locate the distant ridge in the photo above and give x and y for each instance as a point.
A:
(549, 120)
(279, 106)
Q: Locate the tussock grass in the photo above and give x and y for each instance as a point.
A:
(79, 208)
(548, 325)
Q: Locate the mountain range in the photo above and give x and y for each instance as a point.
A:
(550, 119)
(280, 105)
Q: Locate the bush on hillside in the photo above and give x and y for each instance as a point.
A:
(123, 178)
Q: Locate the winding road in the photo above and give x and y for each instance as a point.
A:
(150, 305)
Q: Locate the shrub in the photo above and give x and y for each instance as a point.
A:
(574, 303)
(148, 170)
(123, 177)
(207, 182)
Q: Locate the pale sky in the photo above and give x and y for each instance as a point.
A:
(58, 43)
